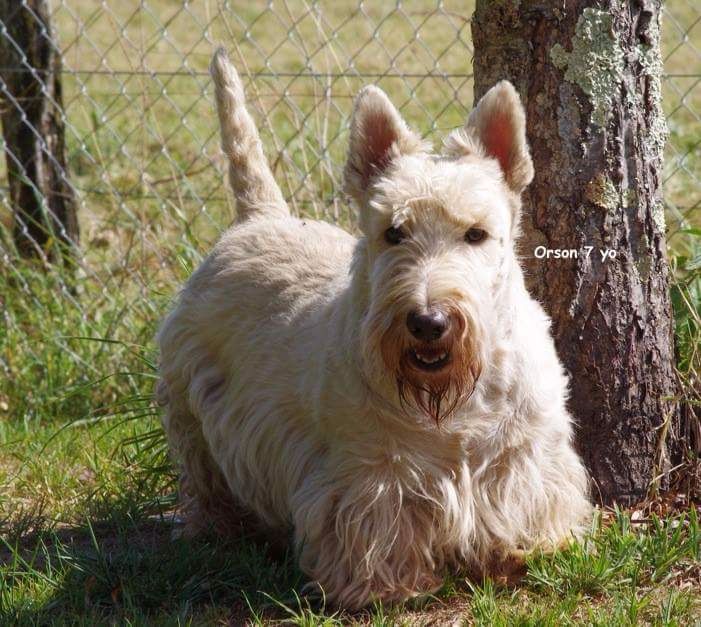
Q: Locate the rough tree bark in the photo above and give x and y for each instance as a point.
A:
(43, 200)
(589, 75)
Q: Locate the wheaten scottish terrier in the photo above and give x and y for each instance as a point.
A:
(394, 399)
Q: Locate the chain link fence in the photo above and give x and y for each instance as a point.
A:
(142, 145)
(681, 51)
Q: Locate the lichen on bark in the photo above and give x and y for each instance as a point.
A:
(658, 216)
(596, 62)
(602, 192)
(650, 59)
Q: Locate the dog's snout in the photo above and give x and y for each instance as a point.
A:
(427, 326)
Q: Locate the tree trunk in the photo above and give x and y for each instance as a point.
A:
(43, 200)
(589, 75)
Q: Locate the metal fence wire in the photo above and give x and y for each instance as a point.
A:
(142, 146)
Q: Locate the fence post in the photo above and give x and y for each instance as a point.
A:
(42, 198)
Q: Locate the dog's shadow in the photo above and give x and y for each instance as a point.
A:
(137, 569)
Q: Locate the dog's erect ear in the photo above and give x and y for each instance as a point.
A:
(378, 134)
(497, 128)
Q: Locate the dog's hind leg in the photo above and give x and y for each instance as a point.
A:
(206, 502)
(257, 193)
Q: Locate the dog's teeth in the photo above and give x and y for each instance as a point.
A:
(429, 360)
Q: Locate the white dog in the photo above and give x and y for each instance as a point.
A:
(395, 399)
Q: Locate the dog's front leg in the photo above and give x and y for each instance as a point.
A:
(366, 541)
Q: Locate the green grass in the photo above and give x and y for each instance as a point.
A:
(87, 494)
(98, 549)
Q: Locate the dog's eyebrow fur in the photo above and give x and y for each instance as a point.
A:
(478, 215)
(401, 213)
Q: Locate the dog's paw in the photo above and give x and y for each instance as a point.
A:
(508, 570)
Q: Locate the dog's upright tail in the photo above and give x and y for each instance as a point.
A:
(257, 193)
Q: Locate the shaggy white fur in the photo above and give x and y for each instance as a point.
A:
(296, 390)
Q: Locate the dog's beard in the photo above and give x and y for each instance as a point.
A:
(435, 394)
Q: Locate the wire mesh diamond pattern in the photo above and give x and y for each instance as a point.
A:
(142, 140)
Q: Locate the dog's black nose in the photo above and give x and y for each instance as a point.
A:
(428, 326)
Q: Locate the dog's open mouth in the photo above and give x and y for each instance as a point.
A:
(429, 360)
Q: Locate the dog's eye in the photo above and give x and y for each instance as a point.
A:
(393, 235)
(475, 236)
